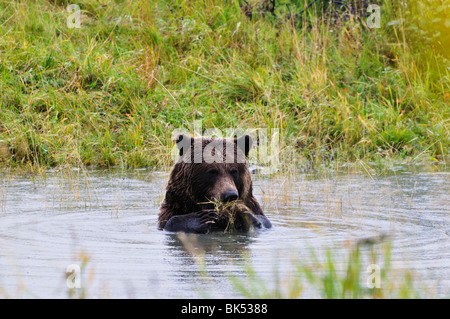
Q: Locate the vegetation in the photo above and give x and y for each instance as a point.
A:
(111, 92)
(364, 272)
(336, 279)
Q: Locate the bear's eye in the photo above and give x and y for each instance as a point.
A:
(234, 172)
(212, 172)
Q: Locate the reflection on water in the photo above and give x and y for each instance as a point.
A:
(106, 222)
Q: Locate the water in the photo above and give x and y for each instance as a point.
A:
(106, 223)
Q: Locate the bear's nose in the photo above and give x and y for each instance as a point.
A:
(230, 196)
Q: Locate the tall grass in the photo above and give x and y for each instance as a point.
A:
(110, 93)
(363, 271)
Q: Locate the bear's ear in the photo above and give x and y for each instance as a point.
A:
(245, 143)
(184, 143)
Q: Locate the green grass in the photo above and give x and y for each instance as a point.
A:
(361, 270)
(111, 93)
(335, 278)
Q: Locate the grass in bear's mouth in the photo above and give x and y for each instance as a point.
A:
(231, 216)
(231, 211)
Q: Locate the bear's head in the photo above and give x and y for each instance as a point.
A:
(210, 170)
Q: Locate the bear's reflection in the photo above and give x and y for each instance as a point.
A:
(205, 265)
(225, 245)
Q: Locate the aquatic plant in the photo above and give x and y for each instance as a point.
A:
(231, 216)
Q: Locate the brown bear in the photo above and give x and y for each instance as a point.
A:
(211, 173)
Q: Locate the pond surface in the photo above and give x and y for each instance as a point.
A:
(106, 223)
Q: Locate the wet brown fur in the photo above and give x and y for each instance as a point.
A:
(193, 186)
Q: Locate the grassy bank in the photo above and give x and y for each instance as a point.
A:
(111, 92)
